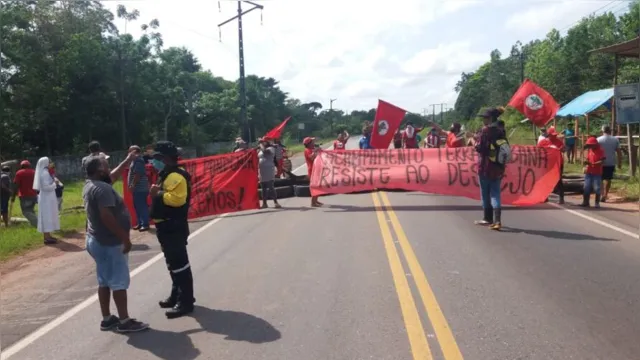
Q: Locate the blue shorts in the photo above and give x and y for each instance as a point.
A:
(112, 266)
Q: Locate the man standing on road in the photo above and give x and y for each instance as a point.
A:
(108, 243)
(611, 147)
(569, 143)
(490, 171)
(5, 194)
(24, 189)
(139, 186)
(266, 173)
(170, 199)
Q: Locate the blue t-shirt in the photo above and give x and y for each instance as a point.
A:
(567, 140)
(365, 143)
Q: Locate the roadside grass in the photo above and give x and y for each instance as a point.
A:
(21, 237)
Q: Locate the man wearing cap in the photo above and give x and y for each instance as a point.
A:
(170, 199)
(24, 189)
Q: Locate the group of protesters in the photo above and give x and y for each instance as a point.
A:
(32, 186)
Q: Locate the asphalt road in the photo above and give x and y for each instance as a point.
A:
(382, 276)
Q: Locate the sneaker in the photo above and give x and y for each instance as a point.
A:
(131, 325)
(597, 205)
(482, 222)
(137, 227)
(496, 227)
(143, 228)
(110, 323)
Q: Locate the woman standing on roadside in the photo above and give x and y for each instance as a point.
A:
(45, 185)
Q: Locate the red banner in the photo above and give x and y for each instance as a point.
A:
(219, 184)
(386, 123)
(529, 179)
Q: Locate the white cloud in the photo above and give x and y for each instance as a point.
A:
(451, 59)
(540, 18)
(409, 52)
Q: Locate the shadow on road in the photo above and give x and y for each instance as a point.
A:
(140, 247)
(234, 325)
(553, 234)
(67, 246)
(255, 212)
(349, 208)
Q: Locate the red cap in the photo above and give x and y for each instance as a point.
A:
(25, 163)
(308, 140)
(552, 131)
(592, 141)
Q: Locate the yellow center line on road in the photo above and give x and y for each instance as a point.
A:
(415, 331)
(444, 335)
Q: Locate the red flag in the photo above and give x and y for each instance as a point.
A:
(276, 132)
(385, 125)
(535, 103)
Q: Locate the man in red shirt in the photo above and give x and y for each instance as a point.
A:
(28, 197)
(592, 171)
(310, 153)
(341, 142)
(552, 141)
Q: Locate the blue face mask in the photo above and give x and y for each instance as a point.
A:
(157, 164)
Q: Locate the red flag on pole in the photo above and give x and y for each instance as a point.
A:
(276, 132)
(385, 125)
(535, 103)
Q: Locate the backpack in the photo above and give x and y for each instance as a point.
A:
(502, 151)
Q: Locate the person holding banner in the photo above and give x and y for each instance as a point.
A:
(310, 153)
(433, 139)
(553, 142)
(365, 141)
(455, 135)
(490, 170)
(267, 173)
(170, 199)
(409, 135)
(341, 142)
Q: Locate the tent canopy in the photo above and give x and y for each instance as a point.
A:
(628, 49)
(587, 102)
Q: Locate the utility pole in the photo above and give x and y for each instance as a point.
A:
(442, 112)
(246, 133)
(433, 106)
(331, 114)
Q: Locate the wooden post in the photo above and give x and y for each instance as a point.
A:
(632, 152)
(613, 103)
(578, 136)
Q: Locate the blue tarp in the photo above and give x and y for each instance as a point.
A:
(587, 102)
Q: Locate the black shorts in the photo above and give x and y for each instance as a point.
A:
(569, 148)
(607, 172)
(4, 203)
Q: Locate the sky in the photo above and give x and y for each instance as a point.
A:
(407, 52)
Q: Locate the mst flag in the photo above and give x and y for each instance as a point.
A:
(535, 103)
(385, 125)
(276, 132)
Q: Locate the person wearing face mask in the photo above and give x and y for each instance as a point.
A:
(170, 198)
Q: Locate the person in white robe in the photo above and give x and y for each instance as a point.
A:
(45, 185)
